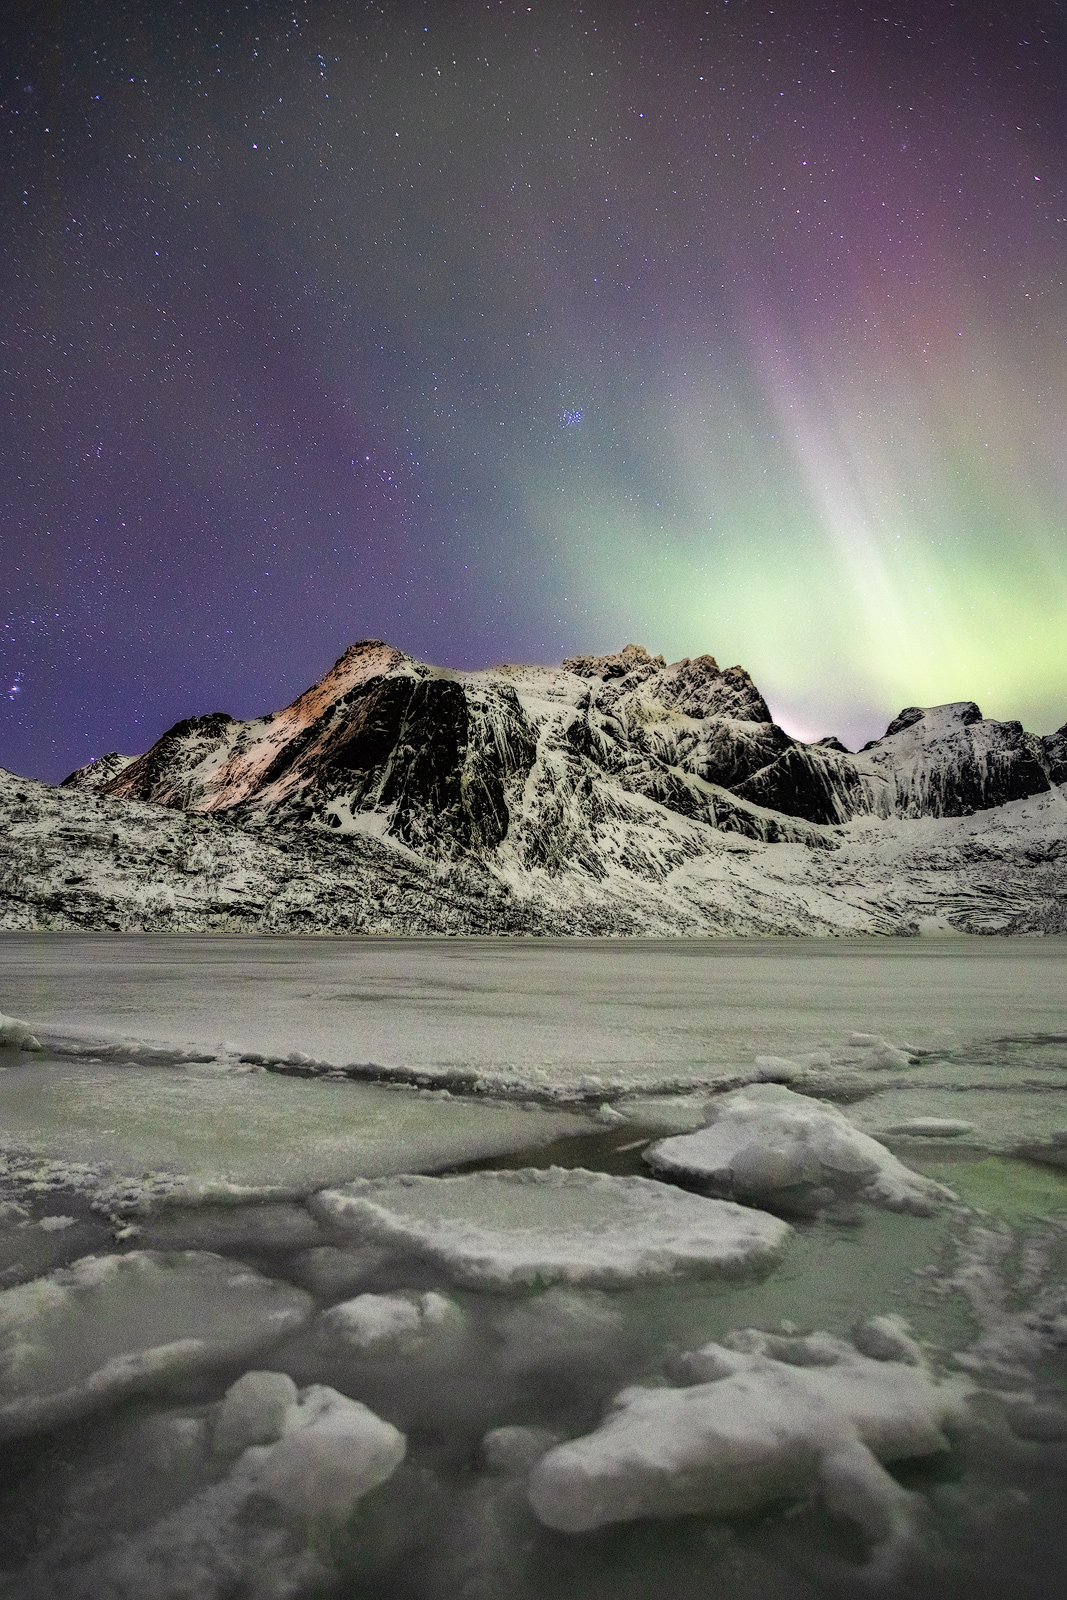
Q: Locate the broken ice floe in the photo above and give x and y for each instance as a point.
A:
(767, 1145)
(331, 1271)
(513, 1449)
(878, 1055)
(407, 1323)
(502, 1230)
(762, 1418)
(1002, 1118)
(271, 1527)
(561, 1328)
(267, 1225)
(108, 1326)
(253, 1411)
(330, 1452)
(16, 1035)
(128, 1133)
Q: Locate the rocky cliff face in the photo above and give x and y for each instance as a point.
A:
(449, 763)
(612, 792)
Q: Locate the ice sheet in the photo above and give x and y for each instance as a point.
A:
(111, 1326)
(597, 1014)
(259, 1131)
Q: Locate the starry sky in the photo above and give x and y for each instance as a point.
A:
(505, 332)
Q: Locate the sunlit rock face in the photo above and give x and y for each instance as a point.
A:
(615, 794)
(421, 755)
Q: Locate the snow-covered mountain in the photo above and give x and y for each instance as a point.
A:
(612, 794)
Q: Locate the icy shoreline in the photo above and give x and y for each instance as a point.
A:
(448, 1350)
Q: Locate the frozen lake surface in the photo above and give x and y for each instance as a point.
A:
(169, 1225)
(544, 1011)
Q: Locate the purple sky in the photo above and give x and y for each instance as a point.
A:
(503, 332)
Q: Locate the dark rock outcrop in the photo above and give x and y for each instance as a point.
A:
(1055, 751)
(808, 782)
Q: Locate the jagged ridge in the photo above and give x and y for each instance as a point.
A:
(612, 793)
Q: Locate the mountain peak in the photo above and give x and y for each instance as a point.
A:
(957, 713)
(629, 659)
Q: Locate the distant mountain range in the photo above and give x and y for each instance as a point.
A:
(613, 794)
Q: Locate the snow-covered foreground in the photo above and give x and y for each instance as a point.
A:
(251, 1346)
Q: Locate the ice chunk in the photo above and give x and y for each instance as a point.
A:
(16, 1035)
(403, 1324)
(777, 1069)
(329, 1270)
(253, 1412)
(769, 1145)
(561, 1327)
(763, 1428)
(878, 1054)
(332, 1452)
(886, 1339)
(608, 1115)
(1041, 1424)
(500, 1230)
(268, 1530)
(88, 1334)
(668, 1113)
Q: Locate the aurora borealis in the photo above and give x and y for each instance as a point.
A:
(504, 332)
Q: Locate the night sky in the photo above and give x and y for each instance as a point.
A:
(505, 332)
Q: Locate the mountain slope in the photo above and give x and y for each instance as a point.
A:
(614, 793)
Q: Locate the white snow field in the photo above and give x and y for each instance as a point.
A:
(259, 1338)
